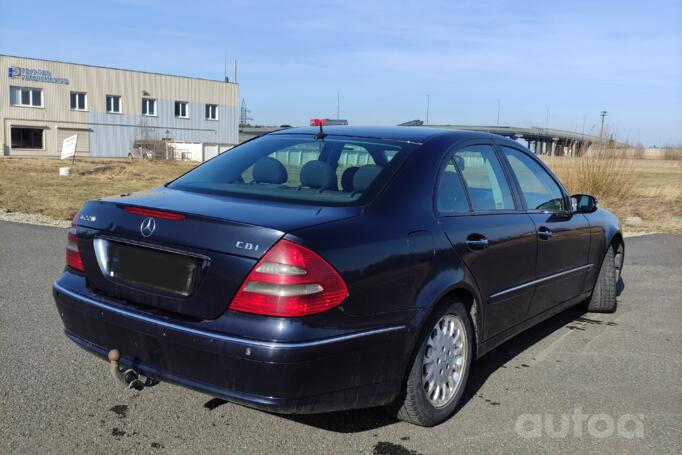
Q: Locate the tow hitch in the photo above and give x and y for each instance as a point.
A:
(130, 378)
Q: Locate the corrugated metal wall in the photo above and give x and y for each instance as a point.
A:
(113, 134)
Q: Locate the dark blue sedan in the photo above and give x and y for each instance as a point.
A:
(310, 271)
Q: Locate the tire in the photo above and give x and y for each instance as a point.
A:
(619, 260)
(449, 326)
(603, 299)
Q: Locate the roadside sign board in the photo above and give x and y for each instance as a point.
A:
(69, 147)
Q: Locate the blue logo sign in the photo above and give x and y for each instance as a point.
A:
(30, 74)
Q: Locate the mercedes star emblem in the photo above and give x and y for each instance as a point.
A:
(147, 227)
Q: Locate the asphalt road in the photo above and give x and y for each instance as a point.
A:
(621, 374)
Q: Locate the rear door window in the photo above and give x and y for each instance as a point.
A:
(485, 180)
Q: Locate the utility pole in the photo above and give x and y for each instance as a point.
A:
(428, 101)
(338, 99)
(498, 112)
(601, 131)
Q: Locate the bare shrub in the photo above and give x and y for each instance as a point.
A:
(603, 175)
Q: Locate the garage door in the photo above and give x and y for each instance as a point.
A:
(83, 142)
(210, 150)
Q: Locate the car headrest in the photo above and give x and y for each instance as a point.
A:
(347, 179)
(269, 170)
(364, 176)
(318, 174)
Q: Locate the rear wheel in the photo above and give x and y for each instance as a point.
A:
(603, 298)
(439, 370)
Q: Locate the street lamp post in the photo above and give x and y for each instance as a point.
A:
(428, 102)
(601, 131)
(498, 112)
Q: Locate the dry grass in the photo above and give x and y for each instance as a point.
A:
(648, 190)
(608, 178)
(33, 185)
(645, 195)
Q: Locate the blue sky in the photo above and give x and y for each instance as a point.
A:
(573, 58)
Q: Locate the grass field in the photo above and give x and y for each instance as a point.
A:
(646, 195)
(33, 185)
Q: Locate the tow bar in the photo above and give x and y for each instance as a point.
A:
(130, 378)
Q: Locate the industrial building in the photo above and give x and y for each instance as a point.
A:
(113, 112)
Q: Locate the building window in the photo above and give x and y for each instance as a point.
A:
(27, 138)
(211, 112)
(148, 106)
(113, 104)
(22, 96)
(78, 101)
(181, 109)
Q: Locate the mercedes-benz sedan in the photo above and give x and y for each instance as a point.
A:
(309, 271)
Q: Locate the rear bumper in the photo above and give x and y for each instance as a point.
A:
(352, 370)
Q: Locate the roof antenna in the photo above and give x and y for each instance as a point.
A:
(319, 122)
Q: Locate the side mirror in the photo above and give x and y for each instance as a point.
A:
(583, 203)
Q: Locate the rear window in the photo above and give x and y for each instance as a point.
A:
(337, 170)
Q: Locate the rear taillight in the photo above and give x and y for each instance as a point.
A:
(73, 256)
(290, 280)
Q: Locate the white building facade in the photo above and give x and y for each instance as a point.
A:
(43, 102)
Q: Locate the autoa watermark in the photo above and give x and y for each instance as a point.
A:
(579, 424)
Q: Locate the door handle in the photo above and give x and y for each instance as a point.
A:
(544, 233)
(477, 242)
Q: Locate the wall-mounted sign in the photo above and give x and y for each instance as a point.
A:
(30, 74)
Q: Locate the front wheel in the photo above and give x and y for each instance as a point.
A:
(603, 299)
(440, 369)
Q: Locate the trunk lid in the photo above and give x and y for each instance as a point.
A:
(191, 266)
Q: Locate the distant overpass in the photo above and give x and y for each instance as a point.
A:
(542, 141)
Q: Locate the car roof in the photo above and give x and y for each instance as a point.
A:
(417, 134)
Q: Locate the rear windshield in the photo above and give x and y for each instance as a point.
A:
(337, 170)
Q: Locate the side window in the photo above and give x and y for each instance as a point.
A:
(354, 155)
(539, 189)
(485, 180)
(451, 196)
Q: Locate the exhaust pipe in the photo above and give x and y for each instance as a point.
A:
(130, 378)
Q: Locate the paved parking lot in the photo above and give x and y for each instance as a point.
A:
(578, 382)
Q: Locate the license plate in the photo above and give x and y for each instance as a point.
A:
(151, 268)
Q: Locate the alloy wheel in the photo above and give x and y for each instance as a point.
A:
(444, 360)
